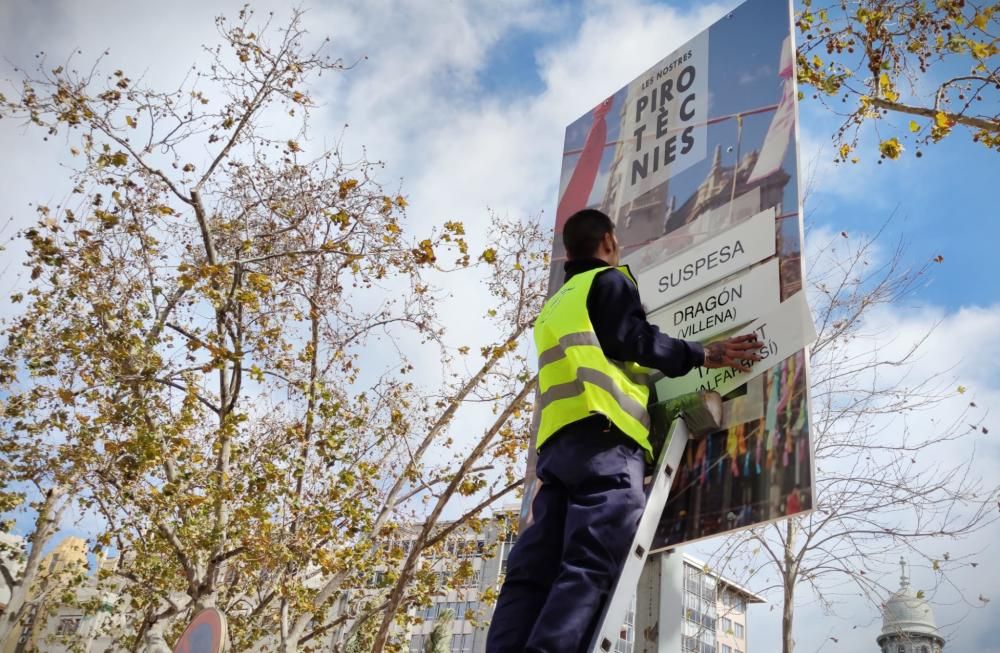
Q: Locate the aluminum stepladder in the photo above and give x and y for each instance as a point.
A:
(704, 412)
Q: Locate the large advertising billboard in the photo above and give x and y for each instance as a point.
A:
(696, 163)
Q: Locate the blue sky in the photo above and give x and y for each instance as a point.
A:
(944, 204)
(467, 102)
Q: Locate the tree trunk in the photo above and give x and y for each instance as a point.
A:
(204, 602)
(154, 641)
(790, 574)
(12, 612)
(288, 643)
(46, 521)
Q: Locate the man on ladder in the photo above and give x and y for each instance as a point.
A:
(592, 336)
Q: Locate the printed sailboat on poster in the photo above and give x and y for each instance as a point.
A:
(782, 128)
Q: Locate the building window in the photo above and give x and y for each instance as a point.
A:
(727, 625)
(740, 631)
(900, 649)
(68, 625)
(461, 643)
(726, 648)
(735, 601)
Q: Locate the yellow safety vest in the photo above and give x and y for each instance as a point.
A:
(575, 378)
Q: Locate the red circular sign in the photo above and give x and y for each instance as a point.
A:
(205, 634)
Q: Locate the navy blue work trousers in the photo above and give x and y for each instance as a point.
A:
(563, 567)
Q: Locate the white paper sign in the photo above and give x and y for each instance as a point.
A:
(666, 115)
(782, 333)
(723, 306)
(712, 260)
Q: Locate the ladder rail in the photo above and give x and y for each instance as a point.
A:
(616, 607)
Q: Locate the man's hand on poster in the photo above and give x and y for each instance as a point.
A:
(738, 352)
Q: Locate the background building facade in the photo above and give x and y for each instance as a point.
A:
(908, 624)
(53, 623)
(714, 614)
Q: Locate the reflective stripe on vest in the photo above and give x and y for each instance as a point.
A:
(576, 379)
(598, 378)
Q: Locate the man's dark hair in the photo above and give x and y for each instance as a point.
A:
(583, 232)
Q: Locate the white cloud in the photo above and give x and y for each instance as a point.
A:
(763, 72)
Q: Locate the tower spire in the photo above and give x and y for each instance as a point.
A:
(904, 580)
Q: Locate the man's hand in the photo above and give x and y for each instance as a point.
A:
(738, 352)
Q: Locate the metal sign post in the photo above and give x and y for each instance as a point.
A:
(660, 592)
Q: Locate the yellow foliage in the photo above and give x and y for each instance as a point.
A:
(983, 50)
(258, 281)
(455, 227)
(424, 253)
(891, 148)
(346, 187)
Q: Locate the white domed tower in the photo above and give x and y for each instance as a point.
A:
(908, 623)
